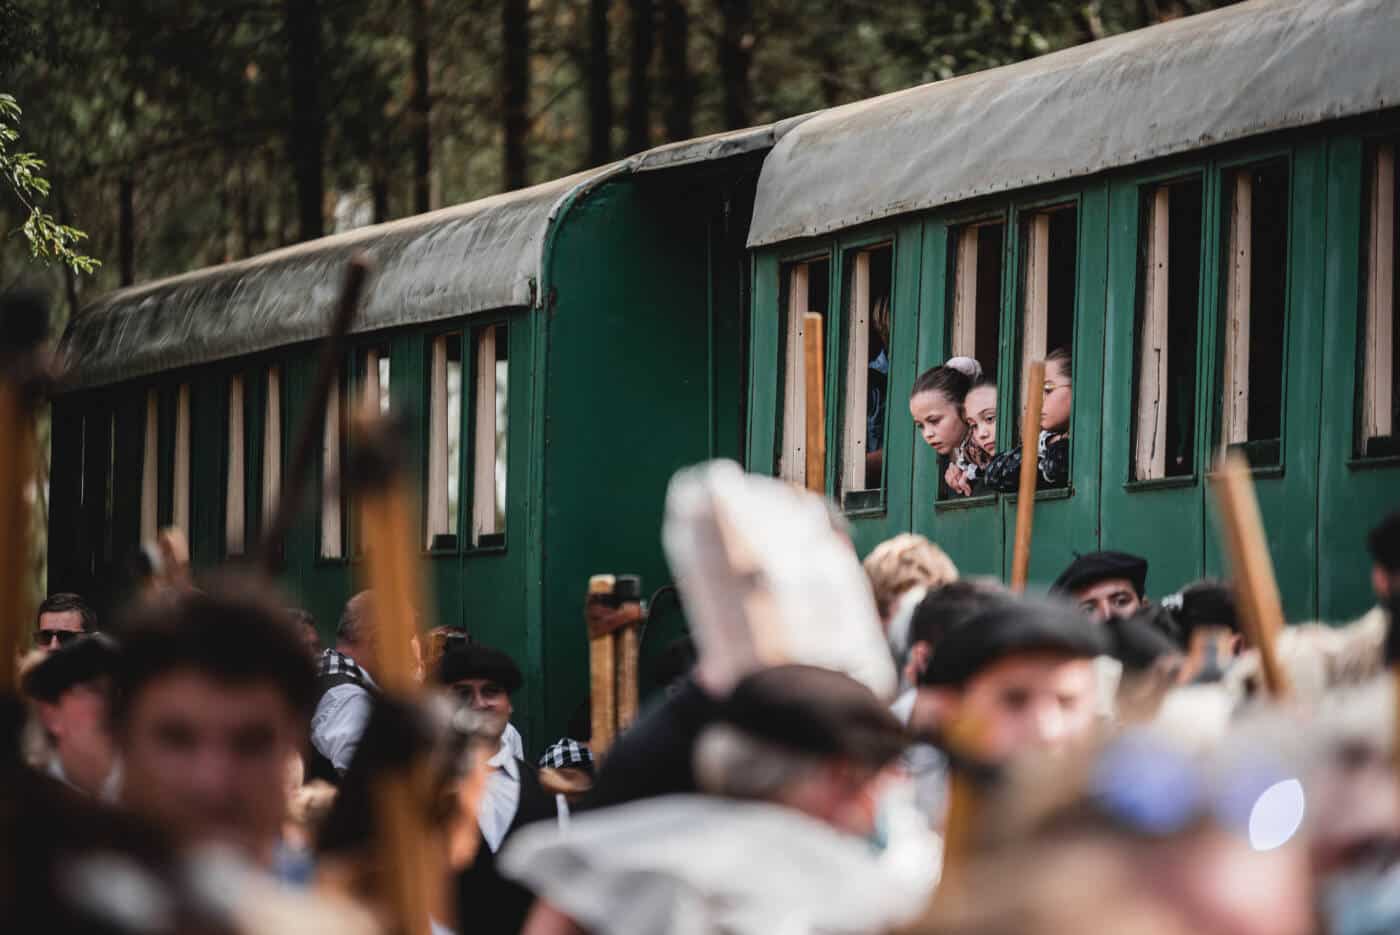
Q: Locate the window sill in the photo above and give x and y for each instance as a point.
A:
(1373, 464)
(1259, 472)
(1054, 493)
(861, 503)
(965, 503)
(1160, 483)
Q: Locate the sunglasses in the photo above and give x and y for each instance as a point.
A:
(64, 637)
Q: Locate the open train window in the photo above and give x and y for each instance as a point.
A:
(1169, 290)
(975, 324)
(374, 379)
(235, 500)
(1379, 336)
(1256, 294)
(491, 384)
(332, 504)
(272, 443)
(805, 288)
(1049, 264)
(444, 439)
(180, 471)
(150, 469)
(865, 382)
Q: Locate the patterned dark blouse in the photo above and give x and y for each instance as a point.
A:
(1004, 471)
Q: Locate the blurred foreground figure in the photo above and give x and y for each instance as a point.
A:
(799, 831)
(69, 689)
(211, 699)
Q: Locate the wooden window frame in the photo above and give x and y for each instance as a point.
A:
(1016, 301)
(272, 443)
(235, 470)
(484, 342)
(150, 468)
(180, 477)
(791, 462)
(330, 545)
(441, 516)
(854, 347)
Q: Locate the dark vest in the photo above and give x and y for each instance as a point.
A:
(488, 903)
(332, 669)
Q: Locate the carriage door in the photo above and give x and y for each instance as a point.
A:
(1156, 452)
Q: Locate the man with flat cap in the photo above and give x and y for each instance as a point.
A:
(1105, 584)
(69, 690)
(1022, 671)
(798, 830)
(483, 679)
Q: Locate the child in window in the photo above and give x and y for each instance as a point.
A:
(980, 414)
(1004, 471)
(936, 404)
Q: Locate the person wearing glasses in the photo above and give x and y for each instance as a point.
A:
(63, 617)
(1004, 472)
(483, 679)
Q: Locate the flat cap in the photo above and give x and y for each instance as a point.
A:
(84, 660)
(815, 711)
(1010, 628)
(1101, 566)
(475, 661)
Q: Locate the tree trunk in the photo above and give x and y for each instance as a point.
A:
(126, 228)
(422, 111)
(675, 66)
(308, 128)
(600, 102)
(642, 16)
(515, 84)
(735, 57)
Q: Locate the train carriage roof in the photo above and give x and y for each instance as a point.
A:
(1232, 73)
(470, 258)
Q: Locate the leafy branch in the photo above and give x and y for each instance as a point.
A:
(48, 239)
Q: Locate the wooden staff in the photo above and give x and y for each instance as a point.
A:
(308, 432)
(966, 739)
(813, 358)
(613, 612)
(23, 326)
(1030, 465)
(413, 877)
(1256, 590)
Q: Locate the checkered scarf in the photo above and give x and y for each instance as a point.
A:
(333, 663)
(565, 753)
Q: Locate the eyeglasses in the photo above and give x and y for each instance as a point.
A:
(44, 637)
(1052, 387)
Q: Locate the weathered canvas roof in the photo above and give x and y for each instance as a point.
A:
(1235, 72)
(456, 261)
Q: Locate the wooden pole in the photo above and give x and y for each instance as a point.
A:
(1030, 456)
(812, 358)
(1256, 590)
(602, 670)
(411, 873)
(308, 432)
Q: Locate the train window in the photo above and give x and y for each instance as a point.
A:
(180, 477)
(492, 381)
(235, 512)
(1169, 286)
(332, 505)
(272, 444)
(150, 469)
(1256, 290)
(444, 439)
(374, 379)
(805, 288)
(1380, 338)
(1049, 262)
(866, 378)
(976, 317)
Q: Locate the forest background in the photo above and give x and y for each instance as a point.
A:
(180, 134)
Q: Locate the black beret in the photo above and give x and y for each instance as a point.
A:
(817, 712)
(1101, 566)
(475, 661)
(84, 660)
(1012, 627)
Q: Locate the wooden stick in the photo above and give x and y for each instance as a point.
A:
(412, 874)
(627, 646)
(1256, 590)
(602, 670)
(308, 435)
(1030, 458)
(812, 357)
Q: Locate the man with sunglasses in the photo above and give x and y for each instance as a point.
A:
(63, 617)
(69, 689)
(483, 679)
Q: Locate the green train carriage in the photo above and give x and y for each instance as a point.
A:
(1203, 212)
(633, 333)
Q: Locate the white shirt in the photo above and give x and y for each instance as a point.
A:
(501, 799)
(339, 723)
